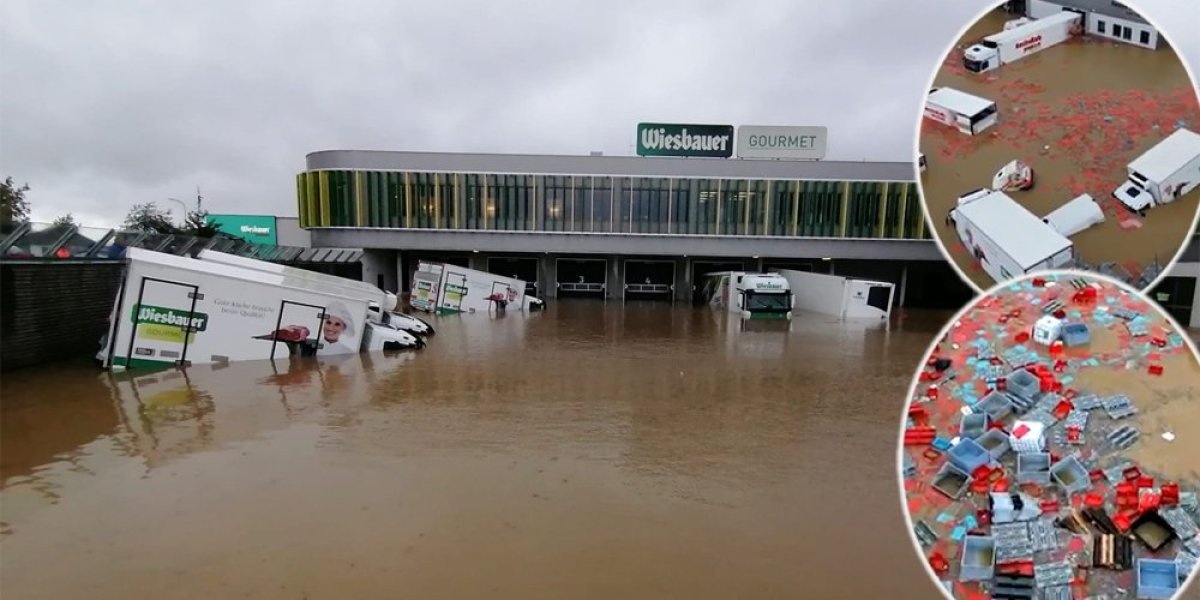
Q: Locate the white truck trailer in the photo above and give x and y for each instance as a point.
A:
(1020, 41)
(383, 310)
(969, 114)
(750, 295)
(846, 298)
(1163, 173)
(1007, 239)
(173, 310)
(449, 289)
(1079, 214)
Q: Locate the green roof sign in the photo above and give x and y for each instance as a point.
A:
(257, 229)
(670, 139)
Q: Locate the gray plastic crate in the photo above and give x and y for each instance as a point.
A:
(978, 558)
(968, 455)
(996, 405)
(1157, 579)
(1053, 574)
(995, 442)
(1071, 475)
(1022, 383)
(1033, 468)
(973, 425)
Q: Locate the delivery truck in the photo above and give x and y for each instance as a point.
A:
(1163, 173)
(384, 309)
(967, 113)
(846, 298)
(1015, 43)
(751, 295)
(450, 289)
(178, 311)
(1007, 239)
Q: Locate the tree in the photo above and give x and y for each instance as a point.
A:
(150, 218)
(67, 220)
(14, 208)
(196, 223)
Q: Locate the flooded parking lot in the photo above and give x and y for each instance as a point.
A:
(591, 451)
(1076, 113)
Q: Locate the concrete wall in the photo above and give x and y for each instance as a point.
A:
(54, 311)
(288, 233)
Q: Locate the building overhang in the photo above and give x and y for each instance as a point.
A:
(631, 244)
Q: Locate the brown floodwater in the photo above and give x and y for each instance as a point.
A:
(590, 451)
(1077, 113)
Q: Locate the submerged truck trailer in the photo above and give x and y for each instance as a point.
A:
(846, 298)
(1163, 173)
(1007, 239)
(965, 112)
(449, 289)
(1020, 41)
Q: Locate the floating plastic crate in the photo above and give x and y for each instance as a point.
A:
(1043, 536)
(978, 558)
(1033, 468)
(1071, 475)
(968, 455)
(973, 425)
(1157, 579)
(1027, 437)
(995, 442)
(1088, 402)
(1119, 406)
(996, 405)
(910, 467)
(1076, 334)
(925, 534)
(951, 481)
(1137, 328)
(1179, 520)
(1058, 592)
(1186, 563)
(1013, 508)
(1047, 329)
(1123, 437)
(1053, 574)
(1124, 313)
(1022, 384)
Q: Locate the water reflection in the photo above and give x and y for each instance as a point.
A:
(659, 445)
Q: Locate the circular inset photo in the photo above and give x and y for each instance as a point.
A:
(1061, 134)
(1051, 445)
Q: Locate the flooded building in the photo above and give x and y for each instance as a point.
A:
(1103, 18)
(624, 226)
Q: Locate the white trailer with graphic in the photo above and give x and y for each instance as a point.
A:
(751, 295)
(1007, 239)
(173, 310)
(967, 113)
(448, 289)
(1075, 216)
(383, 306)
(1163, 173)
(1020, 41)
(843, 297)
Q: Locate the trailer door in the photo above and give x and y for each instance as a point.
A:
(164, 323)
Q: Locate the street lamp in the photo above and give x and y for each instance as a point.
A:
(183, 217)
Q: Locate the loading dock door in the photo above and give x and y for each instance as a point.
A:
(649, 279)
(581, 277)
(525, 269)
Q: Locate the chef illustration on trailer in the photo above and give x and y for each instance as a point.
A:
(338, 322)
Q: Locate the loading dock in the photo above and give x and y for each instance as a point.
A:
(581, 277)
(649, 280)
(523, 268)
(700, 268)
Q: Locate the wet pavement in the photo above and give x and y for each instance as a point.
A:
(1097, 105)
(1096, 438)
(587, 452)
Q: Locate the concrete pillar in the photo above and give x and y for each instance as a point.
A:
(478, 262)
(547, 275)
(1195, 324)
(903, 287)
(376, 266)
(682, 291)
(616, 283)
(402, 282)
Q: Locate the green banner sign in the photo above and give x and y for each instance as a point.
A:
(257, 229)
(670, 139)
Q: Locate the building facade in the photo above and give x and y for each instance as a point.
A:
(1102, 18)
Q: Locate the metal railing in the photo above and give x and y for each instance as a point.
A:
(56, 242)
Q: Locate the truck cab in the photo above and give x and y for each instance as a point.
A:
(1135, 193)
(764, 295)
(981, 57)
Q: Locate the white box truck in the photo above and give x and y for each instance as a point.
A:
(842, 297)
(173, 310)
(1163, 173)
(965, 112)
(448, 289)
(1007, 239)
(383, 306)
(1020, 41)
(750, 295)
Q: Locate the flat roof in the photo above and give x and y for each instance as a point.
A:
(959, 102)
(1033, 25)
(1102, 7)
(1026, 238)
(618, 166)
(1168, 156)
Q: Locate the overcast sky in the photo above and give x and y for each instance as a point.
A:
(108, 103)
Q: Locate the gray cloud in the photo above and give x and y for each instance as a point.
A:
(110, 103)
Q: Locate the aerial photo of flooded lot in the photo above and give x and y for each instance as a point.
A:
(1048, 117)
